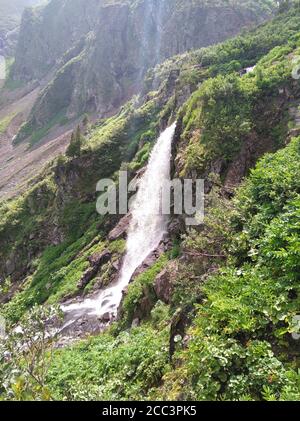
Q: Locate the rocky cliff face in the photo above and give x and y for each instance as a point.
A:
(101, 50)
(49, 32)
(10, 19)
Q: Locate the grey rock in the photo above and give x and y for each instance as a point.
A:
(135, 323)
(10, 266)
(104, 49)
(96, 260)
(106, 317)
(120, 230)
(163, 286)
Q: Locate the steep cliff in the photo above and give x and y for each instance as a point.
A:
(10, 19)
(101, 51)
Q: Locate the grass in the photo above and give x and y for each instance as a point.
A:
(5, 122)
(11, 84)
(39, 134)
(109, 368)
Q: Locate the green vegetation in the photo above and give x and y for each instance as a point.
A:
(35, 135)
(225, 111)
(57, 272)
(11, 84)
(58, 268)
(241, 346)
(111, 368)
(143, 285)
(5, 122)
(83, 78)
(234, 280)
(74, 148)
(24, 375)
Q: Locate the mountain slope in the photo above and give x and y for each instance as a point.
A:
(10, 19)
(108, 46)
(117, 140)
(210, 315)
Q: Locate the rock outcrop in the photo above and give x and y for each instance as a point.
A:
(120, 231)
(97, 260)
(10, 19)
(163, 286)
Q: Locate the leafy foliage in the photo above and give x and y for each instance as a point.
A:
(241, 346)
(26, 355)
(108, 368)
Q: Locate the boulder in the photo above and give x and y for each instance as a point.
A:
(145, 305)
(88, 275)
(106, 317)
(117, 265)
(176, 227)
(120, 231)
(97, 260)
(164, 246)
(163, 286)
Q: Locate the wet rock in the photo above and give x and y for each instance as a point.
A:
(98, 284)
(109, 274)
(176, 227)
(152, 258)
(99, 259)
(88, 275)
(105, 318)
(117, 265)
(80, 328)
(120, 231)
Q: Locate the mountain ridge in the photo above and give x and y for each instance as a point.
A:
(10, 20)
(110, 65)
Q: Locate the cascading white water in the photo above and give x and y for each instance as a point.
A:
(147, 228)
(148, 224)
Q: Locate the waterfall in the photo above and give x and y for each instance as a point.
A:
(148, 224)
(147, 228)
